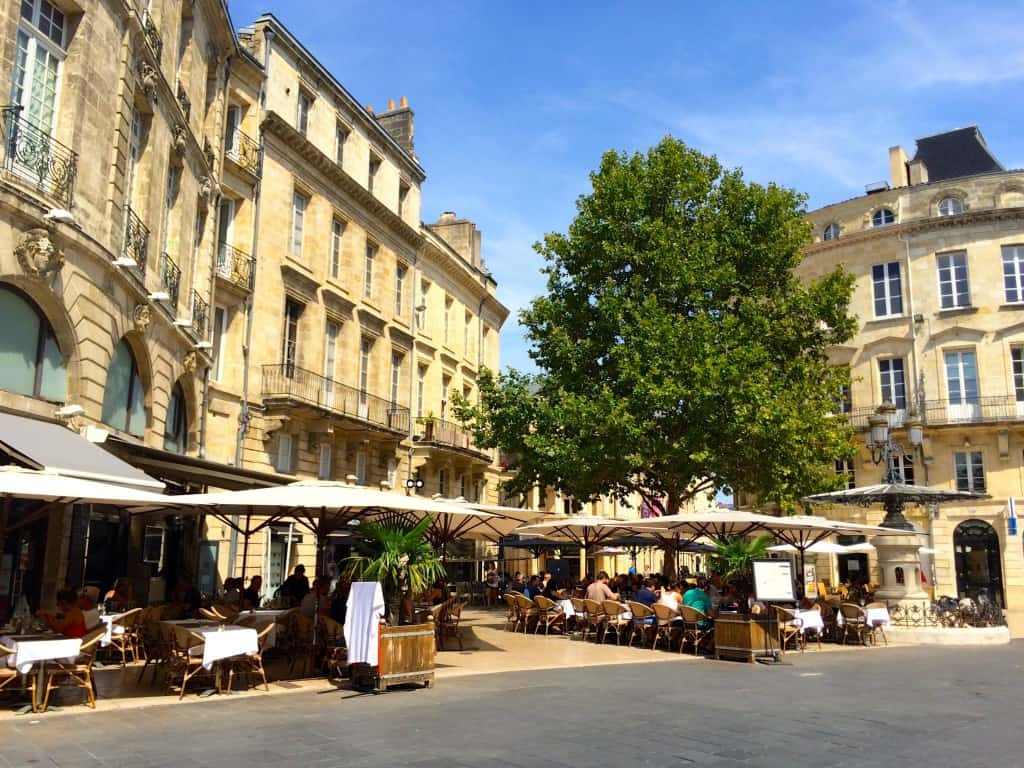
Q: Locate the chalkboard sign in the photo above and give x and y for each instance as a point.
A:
(773, 581)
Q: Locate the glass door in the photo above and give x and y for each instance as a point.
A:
(962, 385)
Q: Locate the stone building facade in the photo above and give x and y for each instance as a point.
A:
(938, 259)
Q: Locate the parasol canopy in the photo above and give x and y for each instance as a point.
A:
(16, 482)
(884, 492)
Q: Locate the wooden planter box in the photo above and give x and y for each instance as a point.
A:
(406, 655)
(742, 638)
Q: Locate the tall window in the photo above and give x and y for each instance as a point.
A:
(904, 464)
(371, 254)
(340, 137)
(134, 155)
(176, 422)
(1013, 273)
(484, 334)
(396, 375)
(31, 363)
(421, 381)
(888, 289)
(400, 273)
(962, 377)
(285, 453)
(423, 305)
(831, 232)
(446, 385)
(372, 178)
(290, 341)
(970, 471)
(954, 291)
(337, 231)
(232, 122)
(299, 204)
(891, 377)
(883, 217)
(951, 206)
(324, 465)
(467, 335)
(305, 107)
(220, 330)
(170, 198)
(124, 401)
(442, 482)
(38, 57)
(448, 302)
(844, 470)
(1017, 355)
(403, 193)
(365, 347)
(845, 399)
(361, 467)
(331, 333)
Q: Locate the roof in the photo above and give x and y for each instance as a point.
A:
(54, 448)
(955, 154)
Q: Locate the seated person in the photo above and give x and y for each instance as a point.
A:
(697, 597)
(672, 596)
(71, 621)
(87, 597)
(646, 594)
(533, 587)
(251, 596)
(437, 593)
(119, 598)
(308, 606)
(552, 592)
(599, 589)
(232, 593)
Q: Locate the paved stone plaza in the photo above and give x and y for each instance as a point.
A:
(895, 706)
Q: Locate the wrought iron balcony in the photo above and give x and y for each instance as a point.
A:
(152, 34)
(447, 434)
(937, 413)
(235, 266)
(36, 156)
(170, 277)
(184, 101)
(245, 151)
(289, 382)
(200, 315)
(136, 240)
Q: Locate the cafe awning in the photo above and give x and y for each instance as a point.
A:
(55, 449)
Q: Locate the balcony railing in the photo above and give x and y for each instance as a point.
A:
(245, 151)
(170, 278)
(200, 315)
(152, 34)
(235, 266)
(38, 157)
(445, 433)
(937, 413)
(136, 240)
(294, 383)
(184, 101)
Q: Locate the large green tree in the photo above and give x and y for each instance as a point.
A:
(678, 352)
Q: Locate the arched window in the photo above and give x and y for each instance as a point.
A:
(831, 232)
(176, 423)
(951, 206)
(30, 360)
(124, 400)
(882, 217)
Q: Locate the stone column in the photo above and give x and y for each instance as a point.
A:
(900, 564)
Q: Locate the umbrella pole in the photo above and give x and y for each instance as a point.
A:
(245, 548)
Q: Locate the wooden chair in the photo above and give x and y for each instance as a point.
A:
(512, 614)
(152, 641)
(788, 627)
(666, 624)
(249, 664)
(549, 614)
(126, 641)
(297, 642)
(579, 608)
(186, 662)
(11, 679)
(595, 619)
(875, 629)
(76, 673)
(642, 622)
(213, 615)
(450, 620)
(697, 628)
(527, 611)
(828, 618)
(615, 620)
(855, 622)
(225, 611)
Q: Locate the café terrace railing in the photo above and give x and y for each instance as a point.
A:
(37, 157)
(936, 413)
(446, 433)
(244, 150)
(235, 266)
(287, 381)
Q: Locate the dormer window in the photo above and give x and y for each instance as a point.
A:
(831, 232)
(883, 217)
(951, 206)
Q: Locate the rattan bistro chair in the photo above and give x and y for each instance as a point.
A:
(512, 612)
(876, 628)
(125, 634)
(549, 614)
(527, 611)
(855, 622)
(698, 629)
(579, 619)
(666, 624)
(12, 679)
(615, 619)
(76, 673)
(788, 627)
(642, 623)
(595, 619)
(251, 664)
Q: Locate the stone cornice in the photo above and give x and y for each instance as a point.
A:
(334, 299)
(276, 125)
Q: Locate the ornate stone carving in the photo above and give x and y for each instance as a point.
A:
(141, 317)
(206, 190)
(148, 80)
(178, 138)
(189, 362)
(37, 254)
(208, 152)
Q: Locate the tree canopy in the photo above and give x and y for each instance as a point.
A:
(678, 352)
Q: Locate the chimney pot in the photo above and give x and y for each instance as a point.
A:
(391, 104)
(403, 102)
(369, 108)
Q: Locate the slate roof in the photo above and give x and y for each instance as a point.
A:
(955, 154)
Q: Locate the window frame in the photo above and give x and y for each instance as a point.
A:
(290, 336)
(401, 271)
(45, 335)
(948, 269)
(972, 478)
(397, 363)
(134, 377)
(880, 216)
(300, 204)
(337, 239)
(888, 296)
(217, 337)
(36, 37)
(368, 260)
(341, 134)
(180, 418)
(302, 116)
(845, 468)
(890, 374)
(830, 232)
(1017, 368)
(374, 166)
(1013, 258)
(950, 202)
(284, 462)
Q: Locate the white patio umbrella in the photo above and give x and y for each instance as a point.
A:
(20, 483)
(584, 530)
(820, 548)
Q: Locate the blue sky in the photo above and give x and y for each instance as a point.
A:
(516, 102)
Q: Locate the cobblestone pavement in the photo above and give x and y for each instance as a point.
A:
(896, 706)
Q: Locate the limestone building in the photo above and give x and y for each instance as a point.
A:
(938, 258)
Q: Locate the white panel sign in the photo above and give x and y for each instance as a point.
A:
(773, 581)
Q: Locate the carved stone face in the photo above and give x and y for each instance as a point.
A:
(37, 254)
(141, 317)
(189, 362)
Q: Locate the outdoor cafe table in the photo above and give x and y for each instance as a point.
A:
(810, 620)
(38, 649)
(874, 616)
(223, 642)
(259, 619)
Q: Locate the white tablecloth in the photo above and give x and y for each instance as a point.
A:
(30, 649)
(811, 620)
(224, 642)
(112, 629)
(875, 616)
(258, 620)
(567, 607)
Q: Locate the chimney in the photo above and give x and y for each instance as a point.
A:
(369, 108)
(898, 166)
(917, 172)
(461, 234)
(399, 123)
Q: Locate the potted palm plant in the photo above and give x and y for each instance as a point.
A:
(735, 556)
(397, 555)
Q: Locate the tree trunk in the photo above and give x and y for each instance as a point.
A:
(670, 568)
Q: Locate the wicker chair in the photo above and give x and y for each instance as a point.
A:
(152, 641)
(855, 622)
(451, 618)
(213, 615)
(666, 624)
(579, 619)
(11, 679)
(615, 619)
(512, 614)
(126, 641)
(596, 619)
(250, 664)
(76, 673)
(186, 660)
(788, 628)
(549, 614)
(828, 618)
(875, 628)
(643, 621)
(527, 611)
(697, 628)
(297, 642)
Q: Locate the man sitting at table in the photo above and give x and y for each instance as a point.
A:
(321, 587)
(533, 588)
(599, 589)
(646, 593)
(71, 621)
(697, 597)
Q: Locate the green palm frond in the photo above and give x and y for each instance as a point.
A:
(396, 554)
(736, 555)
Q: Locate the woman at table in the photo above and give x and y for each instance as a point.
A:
(251, 596)
(70, 622)
(120, 597)
(672, 596)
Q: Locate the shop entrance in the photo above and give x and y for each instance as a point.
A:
(978, 563)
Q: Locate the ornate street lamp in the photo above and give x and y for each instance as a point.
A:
(885, 450)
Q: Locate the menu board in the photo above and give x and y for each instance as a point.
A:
(773, 581)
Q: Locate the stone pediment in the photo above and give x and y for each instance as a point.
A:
(298, 281)
(336, 300)
(963, 333)
(370, 322)
(400, 337)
